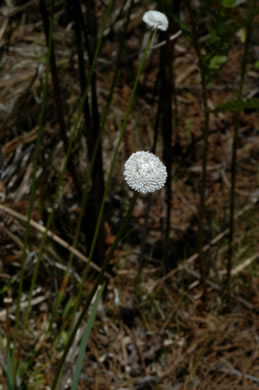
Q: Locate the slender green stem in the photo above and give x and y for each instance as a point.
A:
(33, 186)
(58, 99)
(61, 176)
(115, 154)
(98, 282)
(90, 169)
(234, 150)
(202, 208)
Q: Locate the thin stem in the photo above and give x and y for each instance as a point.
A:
(91, 165)
(141, 261)
(58, 100)
(115, 154)
(33, 186)
(61, 176)
(122, 131)
(234, 150)
(202, 207)
(98, 282)
(92, 131)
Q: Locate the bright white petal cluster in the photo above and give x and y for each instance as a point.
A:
(144, 172)
(156, 20)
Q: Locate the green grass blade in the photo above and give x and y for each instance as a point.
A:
(84, 341)
(10, 383)
(237, 105)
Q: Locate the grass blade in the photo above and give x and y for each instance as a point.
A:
(10, 383)
(84, 341)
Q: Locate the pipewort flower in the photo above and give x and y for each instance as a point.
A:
(144, 172)
(156, 20)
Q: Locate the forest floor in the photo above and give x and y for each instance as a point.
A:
(154, 330)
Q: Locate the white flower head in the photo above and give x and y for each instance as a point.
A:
(156, 20)
(144, 172)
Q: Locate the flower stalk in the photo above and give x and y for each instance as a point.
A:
(98, 282)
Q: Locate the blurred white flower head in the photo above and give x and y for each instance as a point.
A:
(156, 20)
(144, 172)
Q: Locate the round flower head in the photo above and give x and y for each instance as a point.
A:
(156, 20)
(144, 172)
